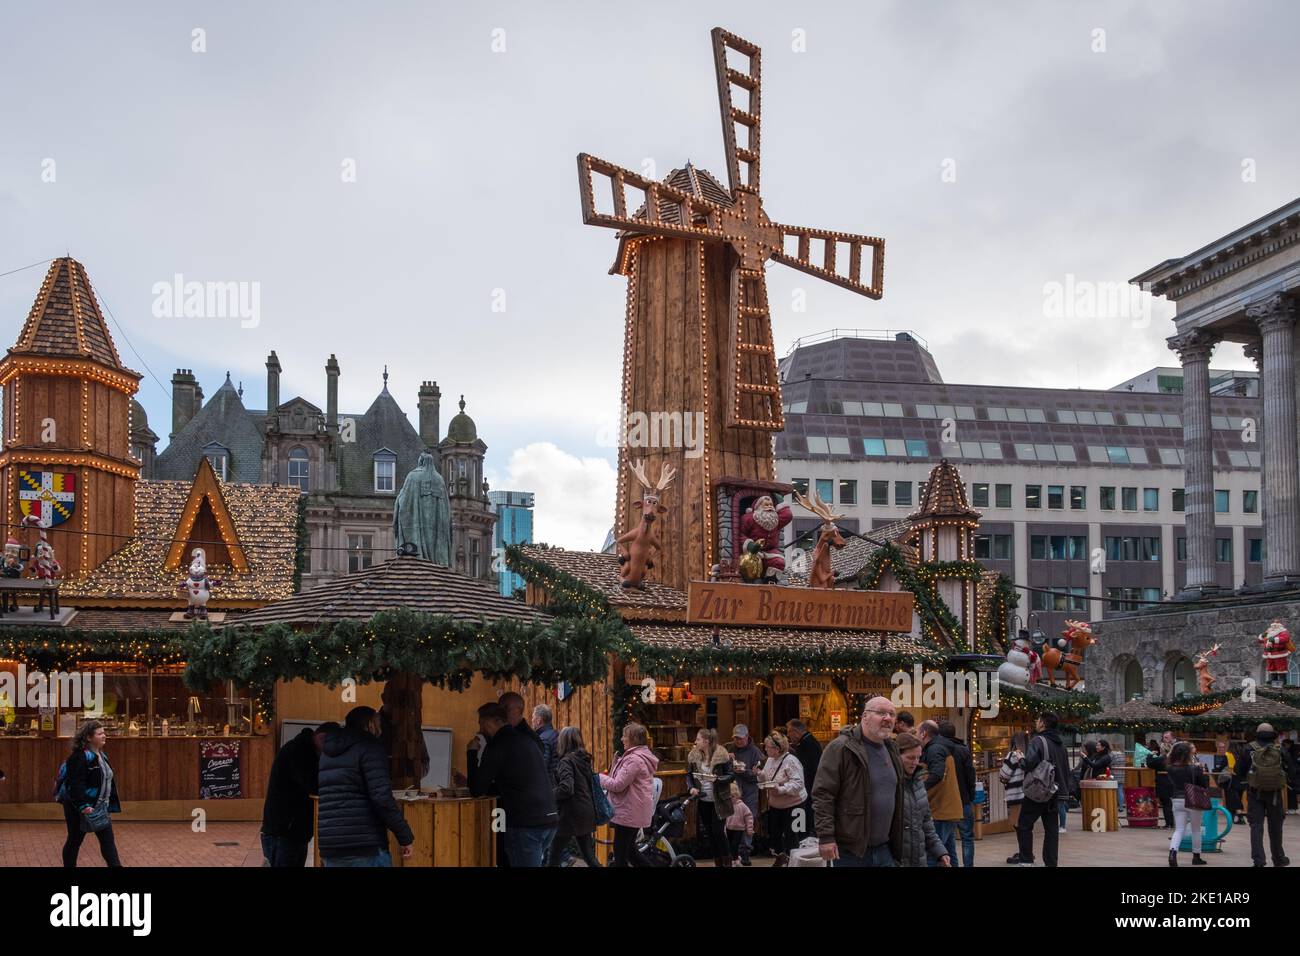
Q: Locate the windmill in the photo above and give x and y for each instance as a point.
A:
(698, 333)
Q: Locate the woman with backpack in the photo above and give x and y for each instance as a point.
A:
(574, 798)
(782, 777)
(709, 776)
(88, 793)
(1185, 771)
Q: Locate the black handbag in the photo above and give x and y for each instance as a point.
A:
(97, 819)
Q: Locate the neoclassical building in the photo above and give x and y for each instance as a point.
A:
(1243, 288)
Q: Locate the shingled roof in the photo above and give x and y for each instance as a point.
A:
(945, 495)
(1134, 712)
(384, 425)
(600, 573)
(65, 319)
(402, 582)
(265, 520)
(689, 179)
(224, 421)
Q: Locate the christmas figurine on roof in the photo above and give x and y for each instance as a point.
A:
(1277, 649)
(12, 567)
(198, 586)
(44, 566)
(1205, 681)
(760, 530)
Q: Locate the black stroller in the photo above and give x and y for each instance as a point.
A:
(669, 823)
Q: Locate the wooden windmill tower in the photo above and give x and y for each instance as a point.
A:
(698, 338)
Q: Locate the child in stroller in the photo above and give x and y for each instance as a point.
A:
(655, 846)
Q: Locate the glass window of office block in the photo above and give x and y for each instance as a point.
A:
(818, 445)
(1104, 418)
(992, 449)
(1222, 501)
(965, 413)
(873, 409)
(980, 494)
(1181, 549)
(1223, 550)
(1172, 421)
(1056, 497)
(1003, 496)
(1256, 554)
(1169, 456)
(1098, 454)
(893, 410)
(1250, 502)
(918, 448)
(1002, 547)
(1078, 497)
(1179, 497)
(895, 447)
(1066, 417)
(1035, 415)
(925, 411)
(1065, 453)
(1150, 499)
(853, 408)
(971, 449)
(996, 414)
(839, 445)
(1238, 459)
(1086, 418)
(874, 446)
(1016, 415)
(1107, 498)
(848, 492)
(1129, 499)
(1033, 496)
(1117, 455)
(945, 411)
(880, 492)
(800, 485)
(902, 492)
(798, 408)
(824, 488)
(1137, 456)
(1038, 547)
(1025, 452)
(835, 408)
(1045, 452)
(1150, 549)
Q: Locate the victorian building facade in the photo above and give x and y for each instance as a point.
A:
(349, 466)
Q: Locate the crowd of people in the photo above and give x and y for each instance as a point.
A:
(883, 792)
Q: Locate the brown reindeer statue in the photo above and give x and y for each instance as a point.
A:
(637, 546)
(821, 575)
(1205, 681)
(1068, 652)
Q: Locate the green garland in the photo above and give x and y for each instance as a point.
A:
(566, 594)
(1202, 702)
(935, 614)
(994, 632)
(1209, 722)
(445, 652)
(1063, 703)
(46, 649)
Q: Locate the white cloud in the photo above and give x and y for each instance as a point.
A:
(574, 507)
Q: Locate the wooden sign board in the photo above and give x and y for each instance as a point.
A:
(870, 684)
(767, 605)
(722, 686)
(801, 684)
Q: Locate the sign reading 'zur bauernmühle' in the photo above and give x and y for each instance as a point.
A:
(749, 604)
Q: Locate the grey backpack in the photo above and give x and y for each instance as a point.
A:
(1040, 783)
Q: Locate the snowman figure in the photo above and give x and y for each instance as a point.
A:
(198, 586)
(1021, 668)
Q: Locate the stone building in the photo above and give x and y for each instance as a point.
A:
(349, 465)
(1240, 288)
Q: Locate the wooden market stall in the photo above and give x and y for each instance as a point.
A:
(1133, 719)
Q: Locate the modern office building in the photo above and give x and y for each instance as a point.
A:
(1069, 481)
(1169, 379)
(514, 525)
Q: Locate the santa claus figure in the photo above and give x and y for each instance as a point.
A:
(1277, 648)
(760, 534)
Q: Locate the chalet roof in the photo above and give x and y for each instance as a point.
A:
(1261, 709)
(223, 420)
(945, 495)
(65, 319)
(265, 519)
(1136, 710)
(600, 573)
(402, 582)
(133, 619)
(692, 636)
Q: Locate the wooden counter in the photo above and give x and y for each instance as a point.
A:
(157, 777)
(453, 831)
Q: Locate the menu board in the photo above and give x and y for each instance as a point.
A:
(219, 770)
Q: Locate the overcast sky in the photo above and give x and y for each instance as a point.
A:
(998, 147)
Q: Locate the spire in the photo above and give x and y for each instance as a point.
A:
(462, 403)
(65, 319)
(385, 377)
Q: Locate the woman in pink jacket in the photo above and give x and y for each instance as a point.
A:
(782, 777)
(630, 785)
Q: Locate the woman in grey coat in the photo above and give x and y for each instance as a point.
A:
(919, 836)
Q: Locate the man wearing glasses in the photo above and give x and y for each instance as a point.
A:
(858, 792)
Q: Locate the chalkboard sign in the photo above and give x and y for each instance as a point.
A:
(219, 770)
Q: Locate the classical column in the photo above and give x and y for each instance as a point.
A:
(1254, 350)
(1194, 349)
(1276, 318)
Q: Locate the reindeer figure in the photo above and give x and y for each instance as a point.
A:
(821, 575)
(637, 545)
(1205, 681)
(1068, 652)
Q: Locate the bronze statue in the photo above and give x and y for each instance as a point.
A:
(422, 514)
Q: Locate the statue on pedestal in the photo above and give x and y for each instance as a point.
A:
(422, 514)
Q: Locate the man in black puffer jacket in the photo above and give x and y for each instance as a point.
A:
(357, 808)
(513, 770)
(286, 815)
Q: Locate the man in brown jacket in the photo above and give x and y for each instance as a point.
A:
(858, 793)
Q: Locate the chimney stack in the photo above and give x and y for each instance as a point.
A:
(430, 396)
(183, 399)
(272, 385)
(332, 394)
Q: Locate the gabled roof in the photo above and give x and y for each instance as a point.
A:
(264, 519)
(402, 582)
(65, 319)
(207, 488)
(383, 426)
(223, 420)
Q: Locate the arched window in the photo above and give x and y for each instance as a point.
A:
(1184, 678)
(1132, 680)
(385, 471)
(299, 469)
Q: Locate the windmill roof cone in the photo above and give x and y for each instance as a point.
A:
(698, 336)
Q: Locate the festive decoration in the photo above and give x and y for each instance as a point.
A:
(995, 623)
(1204, 679)
(48, 496)
(1038, 698)
(1134, 716)
(760, 531)
(44, 566)
(1068, 652)
(1243, 716)
(198, 586)
(1022, 667)
(821, 575)
(938, 623)
(638, 544)
(1277, 648)
(1199, 704)
(303, 549)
